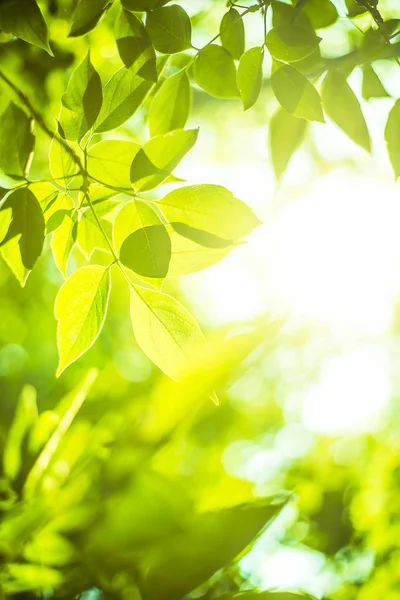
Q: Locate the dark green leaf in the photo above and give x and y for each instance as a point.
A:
(322, 13)
(147, 251)
(342, 106)
(215, 72)
(372, 86)
(285, 135)
(170, 29)
(159, 157)
(16, 142)
(232, 33)
(27, 223)
(86, 16)
(214, 539)
(392, 137)
(24, 19)
(295, 93)
(82, 101)
(142, 5)
(134, 45)
(250, 75)
(171, 105)
(354, 9)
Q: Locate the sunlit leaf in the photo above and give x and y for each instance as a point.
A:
(89, 236)
(215, 72)
(285, 135)
(204, 238)
(295, 93)
(159, 157)
(147, 251)
(109, 161)
(63, 242)
(62, 165)
(134, 45)
(81, 102)
(250, 75)
(170, 29)
(24, 418)
(372, 86)
(141, 5)
(206, 207)
(23, 18)
(86, 16)
(342, 106)
(291, 42)
(80, 310)
(322, 13)
(163, 329)
(17, 578)
(232, 33)
(171, 105)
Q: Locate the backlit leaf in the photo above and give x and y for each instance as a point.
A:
(372, 86)
(250, 76)
(63, 241)
(171, 105)
(322, 13)
(109, 161)
(170, 29)
(82, 101)
(342, 106)
(159, 157)
(80, 310)
(134, 45)
(16, 142)
(392, 137)
(215, 72)
(295, 93)
(232, 33)
(25, 417)
(24, 19)
(141, 5)
(285, 135)
(86, 16)
(291, 43)
(147, 251)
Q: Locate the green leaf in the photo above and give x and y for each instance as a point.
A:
(5, 222)
(110, 161)
(80, 310)
(142, 5)
(295, 93)
(354, 9)
(371, 84)
(291, 42)
(24, 19)
(163, 329)
(27, 225)
(63, 242)
(250, 76)
(147, 251)
(56, 210)
(82, 101)
(321, 13)
(232, 33)
(17, 578)
(285, 135)
(392, 137)
(86, 16)
(134, 46)
(204, 238)
(211, 208)
(188, 256)
(89, 236)
(342, 106)
(170, 29)
(24, 418)
(159, 157)
(269, 596)
(213, 540)
(171, 105)
(215, 72)
(16, 142)
(123, 95)
(12, 255)
(62, 165)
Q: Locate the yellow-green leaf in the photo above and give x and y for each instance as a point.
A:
(285, 136)
(250, 75)
(232, 33)
(171, 105)
(295, 93)
(170, 29)
(392, 137)
(215, 72)
(23, 18)
(109, 161)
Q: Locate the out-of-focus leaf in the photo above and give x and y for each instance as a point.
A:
(170, 29)
(80, 310)
(250, 75)
(16, 142)
(24, 19)
(134, 46)
(159, 157)
(285, 135)
(215, 72)
(17, 578)
(269, 596)
(141, 5)
(322, 13)
(295, 93)
(212, 541)
(86, 16)
(372, 86)
(342, 106)
(171, 105)
(232, 33)
(291, 43)
(24, 419)
(392, 137)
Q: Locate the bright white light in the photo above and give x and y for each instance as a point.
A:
(350, 393)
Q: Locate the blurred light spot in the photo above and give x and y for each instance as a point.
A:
(350, 393)
(132, 364)
(13, 359)
(293, 441)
